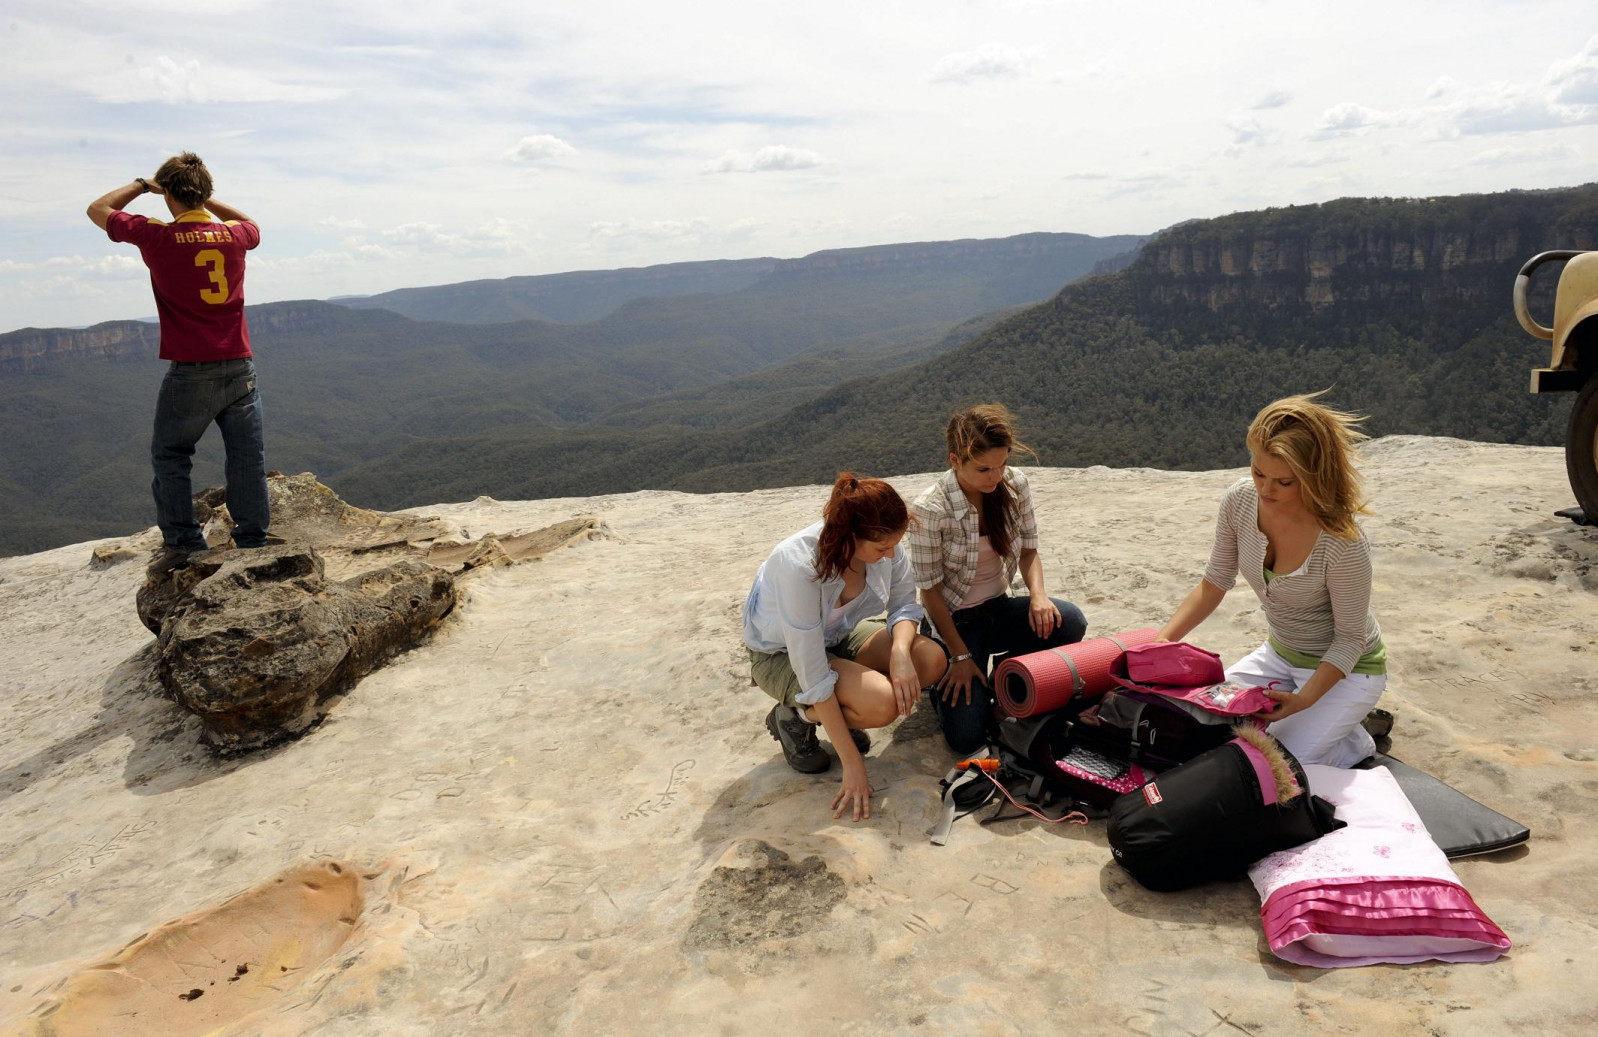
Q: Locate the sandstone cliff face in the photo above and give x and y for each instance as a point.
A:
(1311, 258)
(26, 349)
(29, 348)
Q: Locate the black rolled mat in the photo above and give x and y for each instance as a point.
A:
(1459, 825)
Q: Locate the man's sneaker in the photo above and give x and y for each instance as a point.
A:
(862, 741)
(170, 558)
(797, 736)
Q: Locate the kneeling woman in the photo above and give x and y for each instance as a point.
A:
(815, 645)
(1290, 529)
(974, 531)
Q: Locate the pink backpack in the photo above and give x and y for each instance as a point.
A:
(1173, 664)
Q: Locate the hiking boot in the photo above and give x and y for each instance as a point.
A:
(169, 559)
(1379, 722)
(797, 736)
(862, 741)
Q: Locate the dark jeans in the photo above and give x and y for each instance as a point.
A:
(193, 396)
(997, 627)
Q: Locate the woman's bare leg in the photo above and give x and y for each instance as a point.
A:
(930, 658)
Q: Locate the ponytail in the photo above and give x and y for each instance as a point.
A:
(867, 509)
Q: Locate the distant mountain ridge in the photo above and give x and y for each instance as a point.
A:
(1028, 266)
(1402, 306)
(345, 386)
(575, 297)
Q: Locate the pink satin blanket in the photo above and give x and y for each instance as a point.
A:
(1377, 891)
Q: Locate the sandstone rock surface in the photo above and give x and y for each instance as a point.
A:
(255, 643)
(572, 780)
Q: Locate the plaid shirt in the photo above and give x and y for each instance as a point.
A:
(943, 537)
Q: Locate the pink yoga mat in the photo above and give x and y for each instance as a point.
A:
(1028, 684)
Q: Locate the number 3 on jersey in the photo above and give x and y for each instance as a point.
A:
(214, 259)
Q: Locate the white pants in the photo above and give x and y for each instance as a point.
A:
(1328, 732)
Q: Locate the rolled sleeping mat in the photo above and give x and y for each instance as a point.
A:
(1025, 685)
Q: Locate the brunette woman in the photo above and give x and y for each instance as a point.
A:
(974, 533)
(816, 644)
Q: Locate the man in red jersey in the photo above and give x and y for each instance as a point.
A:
(197, 271)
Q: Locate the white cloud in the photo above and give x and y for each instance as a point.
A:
(173, 82)
(388, 50)
(1575, 80)
(498, 236)
(115, 266)
(192, 81)
(1274, 99)
(62, 285)
(1246, 130)
(1511, 155)
(655, 229)
(1514, 112)
(773, 158)
(321, 260)
(1566, 96)
(540, 147)
(989, 61)
(1348, 118)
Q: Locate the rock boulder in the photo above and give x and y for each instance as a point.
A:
(257, 642)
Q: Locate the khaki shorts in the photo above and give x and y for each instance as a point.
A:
(774, 671)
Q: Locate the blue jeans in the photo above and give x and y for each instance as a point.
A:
(193, 396)
(997, 627)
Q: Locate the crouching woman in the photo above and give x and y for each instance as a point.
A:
(1290, 530)
(816, 646)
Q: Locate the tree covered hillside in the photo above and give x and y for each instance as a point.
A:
(1400, 307)
(345, 387)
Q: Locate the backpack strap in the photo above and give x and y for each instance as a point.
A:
(956, 779)
(1070, 664)
(1076, 675)
(1135, 752)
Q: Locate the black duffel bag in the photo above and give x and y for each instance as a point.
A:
(1218, 813)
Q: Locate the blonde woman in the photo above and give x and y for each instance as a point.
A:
(974, 534)
(1290, 529)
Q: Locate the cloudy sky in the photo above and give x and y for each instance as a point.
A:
(382, 145)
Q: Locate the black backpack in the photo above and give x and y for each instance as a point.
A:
(1034, 768)
(1143, 728)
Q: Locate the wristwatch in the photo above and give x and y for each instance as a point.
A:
(962, 657)
(142, 183)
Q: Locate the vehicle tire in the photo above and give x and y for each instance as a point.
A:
(1581, 448)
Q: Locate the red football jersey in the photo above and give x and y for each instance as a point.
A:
(197, 271)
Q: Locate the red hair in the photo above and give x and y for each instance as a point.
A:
(867, 509)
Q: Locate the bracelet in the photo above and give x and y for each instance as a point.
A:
(142, 183)
(960, 658)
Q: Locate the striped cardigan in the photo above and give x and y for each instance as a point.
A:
(1323, 607)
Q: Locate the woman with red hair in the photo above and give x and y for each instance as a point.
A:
(815, 642)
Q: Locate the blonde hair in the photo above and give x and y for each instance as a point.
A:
(1317, 443)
